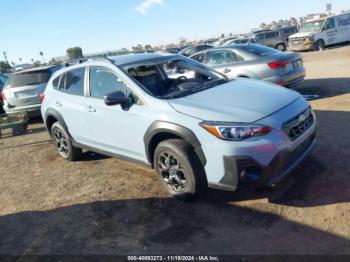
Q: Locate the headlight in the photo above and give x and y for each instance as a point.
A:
(308, 40)
(235, 132)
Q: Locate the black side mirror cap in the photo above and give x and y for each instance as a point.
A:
(115, 98)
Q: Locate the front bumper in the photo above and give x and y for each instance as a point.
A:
(245, 171)
(299, 47)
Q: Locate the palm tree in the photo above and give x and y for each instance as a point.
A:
(32, 60)
(20, 60)
(42, 55)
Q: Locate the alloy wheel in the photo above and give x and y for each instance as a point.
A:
(172, 172)
(62, 143)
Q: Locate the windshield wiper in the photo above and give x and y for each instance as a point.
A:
(196, 89)
(210, 84)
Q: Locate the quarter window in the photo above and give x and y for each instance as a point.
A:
(55, 82)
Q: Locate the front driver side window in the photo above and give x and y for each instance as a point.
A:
(104, 81)
(330, 24)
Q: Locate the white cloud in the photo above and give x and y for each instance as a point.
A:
(147, 4)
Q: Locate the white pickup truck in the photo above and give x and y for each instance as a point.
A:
(318, 33)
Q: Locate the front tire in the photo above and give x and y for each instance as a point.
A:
(319, 45)
(281, 47)
(63, 143)
(180, 169)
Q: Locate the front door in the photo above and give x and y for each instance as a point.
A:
(330, 32)
(115, 129)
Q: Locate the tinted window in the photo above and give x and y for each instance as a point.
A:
(289, 30)
(189, 51)
(220, 57)
(55, 82)
(199, 58)
(271, 34)
(73, 82)
(260, 36)
(258, 50)
(104, 81)
(330, 24)
(30, 78)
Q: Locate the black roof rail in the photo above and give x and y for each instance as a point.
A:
(85, 59)
(105, 59)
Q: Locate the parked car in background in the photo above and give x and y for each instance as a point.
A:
(196, 130)
(318, 33)
(255, 61)
(277, 38)
(194, 49)
(22, 90)
(240, 41)
(3, 79)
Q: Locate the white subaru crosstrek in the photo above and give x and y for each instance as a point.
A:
(190, 123)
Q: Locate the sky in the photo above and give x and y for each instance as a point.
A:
(31, 26)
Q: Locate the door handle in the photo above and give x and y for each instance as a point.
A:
(227, 70)
(58, 103)
(91, 109)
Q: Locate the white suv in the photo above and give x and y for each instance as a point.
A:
(187, 121)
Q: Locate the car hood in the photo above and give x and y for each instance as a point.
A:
(301, 34)
(241, 101)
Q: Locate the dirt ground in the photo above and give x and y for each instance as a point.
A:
(101, 205)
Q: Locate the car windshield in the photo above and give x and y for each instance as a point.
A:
(173, 77)
(29, 78)
(313, 26)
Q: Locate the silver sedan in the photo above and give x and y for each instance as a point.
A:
(255, 61)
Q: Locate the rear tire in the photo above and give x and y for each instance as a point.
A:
(281, 47)
(63, 143)
(179, 169)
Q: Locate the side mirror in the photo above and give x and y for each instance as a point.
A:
(115, 98)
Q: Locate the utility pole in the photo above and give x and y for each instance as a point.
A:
(5, 56)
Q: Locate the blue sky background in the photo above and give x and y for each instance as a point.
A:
(50, 26)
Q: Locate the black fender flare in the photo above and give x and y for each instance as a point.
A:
(57, 115)
(160, 127)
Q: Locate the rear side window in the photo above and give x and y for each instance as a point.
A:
(27, 79)
(271, 35)
(72, 82)
(221, 57)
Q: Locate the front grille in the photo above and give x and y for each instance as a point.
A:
(297, 41)
(297, 126)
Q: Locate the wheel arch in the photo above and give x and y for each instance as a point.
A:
(53, 116)
(160, 131)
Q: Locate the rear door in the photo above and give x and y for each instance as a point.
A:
(23, 89)
(70, 101)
